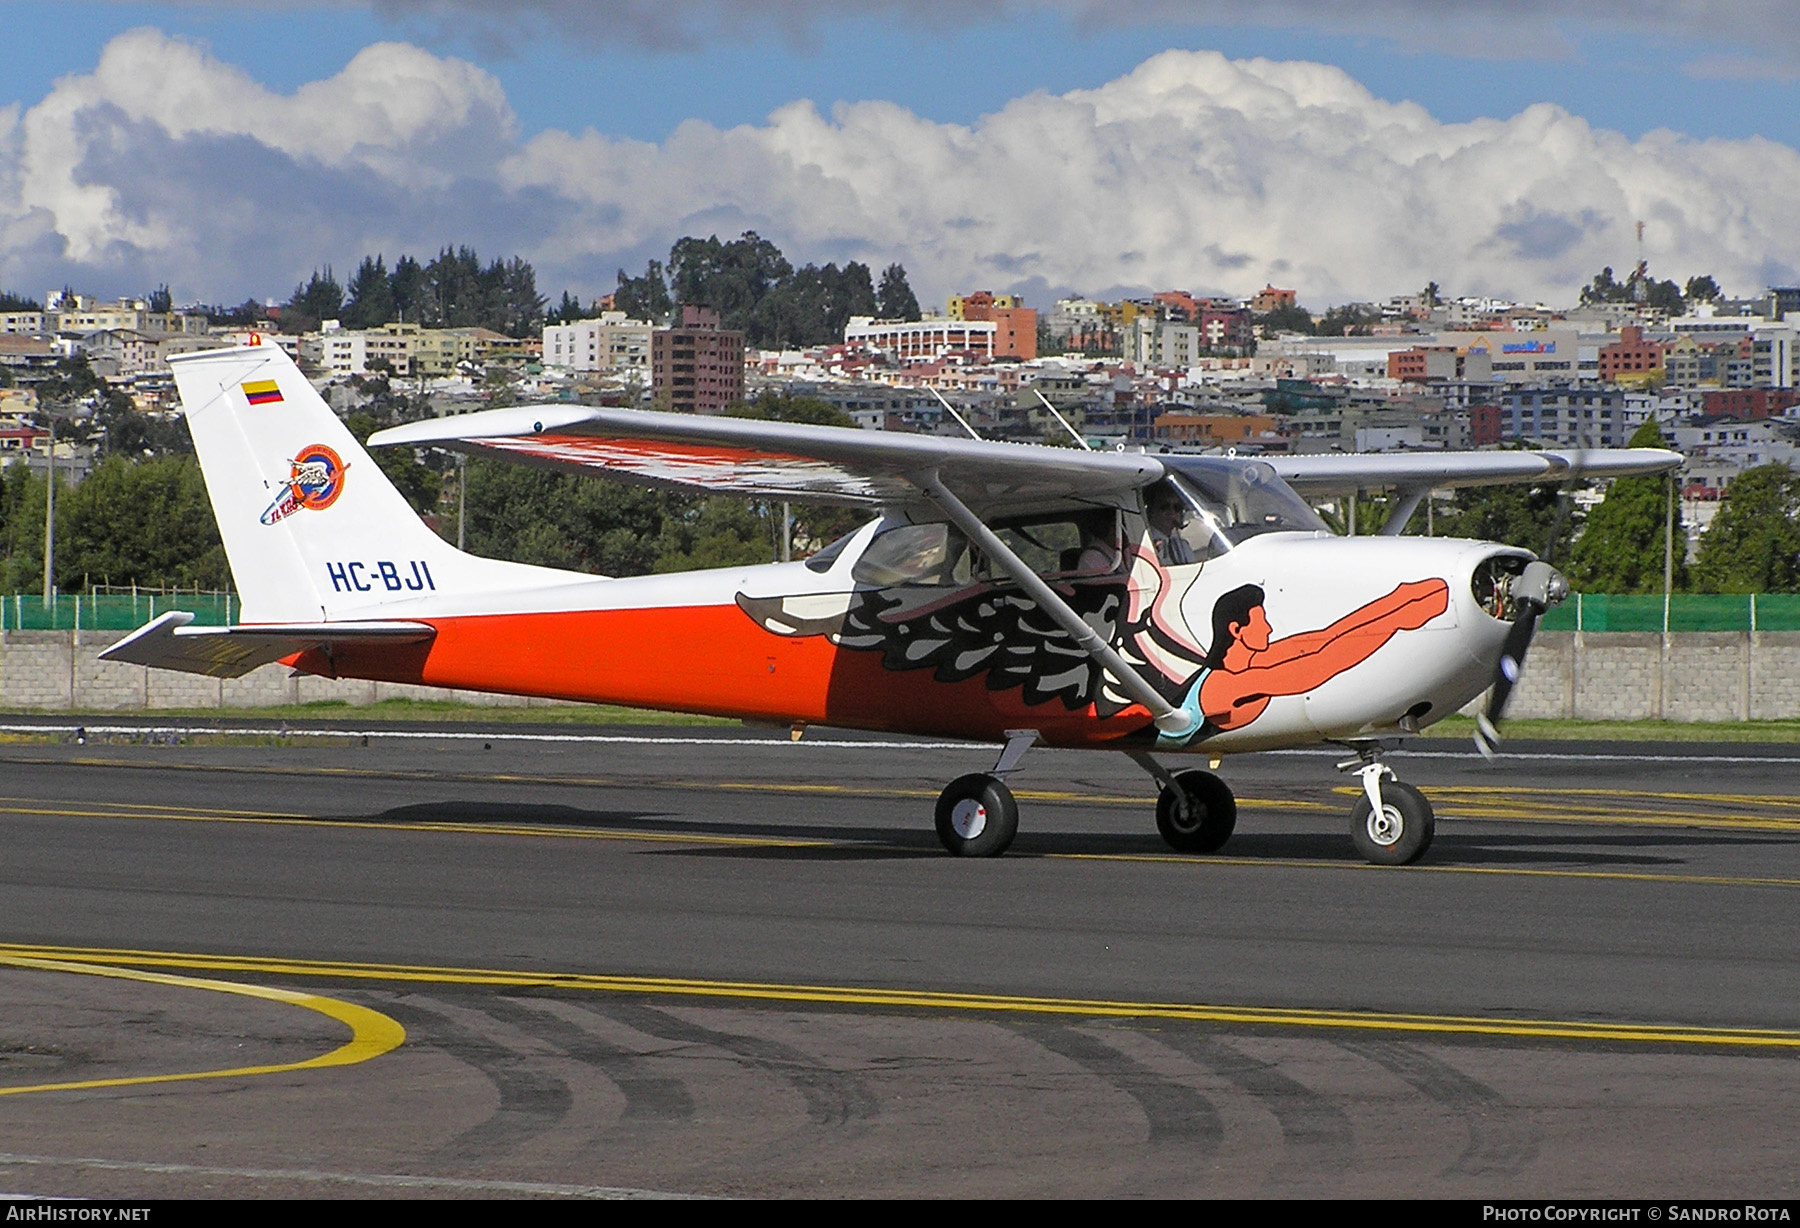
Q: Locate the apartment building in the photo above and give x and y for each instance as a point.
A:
(613, 344)
(925, 340)
(697, 367)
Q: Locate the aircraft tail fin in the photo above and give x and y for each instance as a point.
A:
(313, 528)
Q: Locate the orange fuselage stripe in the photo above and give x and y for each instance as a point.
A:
(710, 659)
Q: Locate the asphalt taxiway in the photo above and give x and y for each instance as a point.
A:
(529, 960)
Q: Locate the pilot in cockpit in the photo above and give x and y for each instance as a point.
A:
(1167, 513)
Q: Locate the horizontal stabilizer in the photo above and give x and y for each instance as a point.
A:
(168, 642)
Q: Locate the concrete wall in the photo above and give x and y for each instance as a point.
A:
(62, 669)
(1688, 676)
(1694, 676)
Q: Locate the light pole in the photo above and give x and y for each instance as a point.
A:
(50, 519)
(51, 412)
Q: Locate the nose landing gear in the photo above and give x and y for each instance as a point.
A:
(1391, 823)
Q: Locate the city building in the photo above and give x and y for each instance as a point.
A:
(1575, 417)
(1270, 299)
(925, 340)
(697, 367)
(1015, 325)
(612, 344)
(1631, 359)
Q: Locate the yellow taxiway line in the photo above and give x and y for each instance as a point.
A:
(371, 1033)
(934, 1000)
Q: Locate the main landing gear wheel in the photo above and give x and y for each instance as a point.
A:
(977, 816)
(1401, 833)
(1210, 816)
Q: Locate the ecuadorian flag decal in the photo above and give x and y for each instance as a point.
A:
(262, 392)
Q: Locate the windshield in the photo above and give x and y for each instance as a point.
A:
(1245, 497)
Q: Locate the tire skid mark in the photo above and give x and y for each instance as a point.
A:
(1176, 1112)
(832, 1097)
(1502, 1138)
(648, 1096)
(532, 1100)
(1319, 1145)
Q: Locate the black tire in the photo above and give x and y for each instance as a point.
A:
(1404, 832)
(977, 816)
(1211, 815)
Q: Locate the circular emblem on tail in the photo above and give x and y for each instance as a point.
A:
(315, 480)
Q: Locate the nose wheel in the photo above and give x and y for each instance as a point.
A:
(1391, 823)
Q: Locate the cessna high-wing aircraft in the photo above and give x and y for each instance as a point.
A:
(1002, 592)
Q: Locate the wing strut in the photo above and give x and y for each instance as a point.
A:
(1169, 718)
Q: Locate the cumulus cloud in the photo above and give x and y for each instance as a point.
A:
(1191, 171)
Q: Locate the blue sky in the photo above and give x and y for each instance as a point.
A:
(1721, 73)
(1618, 77)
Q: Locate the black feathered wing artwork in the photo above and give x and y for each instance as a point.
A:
(990, 630)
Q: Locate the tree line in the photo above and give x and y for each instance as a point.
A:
(757, 290)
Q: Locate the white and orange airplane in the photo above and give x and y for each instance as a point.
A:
(1006, 593)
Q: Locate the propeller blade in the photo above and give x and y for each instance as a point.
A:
(1540, 587)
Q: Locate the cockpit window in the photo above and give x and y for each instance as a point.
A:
(1071, 545)
(1247, 497)
(915, 554)
(1185, 526)
(823, 559)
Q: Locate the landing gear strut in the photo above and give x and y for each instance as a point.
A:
(976, 814)
(1195, 812)
(1391, 823)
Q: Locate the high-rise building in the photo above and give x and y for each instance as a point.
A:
(697, 367)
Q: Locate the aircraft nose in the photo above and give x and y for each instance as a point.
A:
(1503, 578)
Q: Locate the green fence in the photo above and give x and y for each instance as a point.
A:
(1687, 612)
(111, 611)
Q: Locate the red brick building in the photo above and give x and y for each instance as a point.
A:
(1631, 357)
(1484, 425)
(1270, 299)
(1015, 325)
(1750, 403)
(698, 367)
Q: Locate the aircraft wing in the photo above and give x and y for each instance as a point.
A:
(167, 642)
(1342, 474)
(783, 460)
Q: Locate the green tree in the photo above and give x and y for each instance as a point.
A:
(895, 297)
(1516, 515)
(1704, 289)
(410, 290)
(564, 520)
(1621, 550)
(161, 300)
(1753, 543)
(22, 527)
(1349, 320)
(646, 297)
(18, 302)
(717, 532)
(411, 476)
(731, 278)
(369, 299)
(1293, 319)
(148, 522)
(321, 298)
